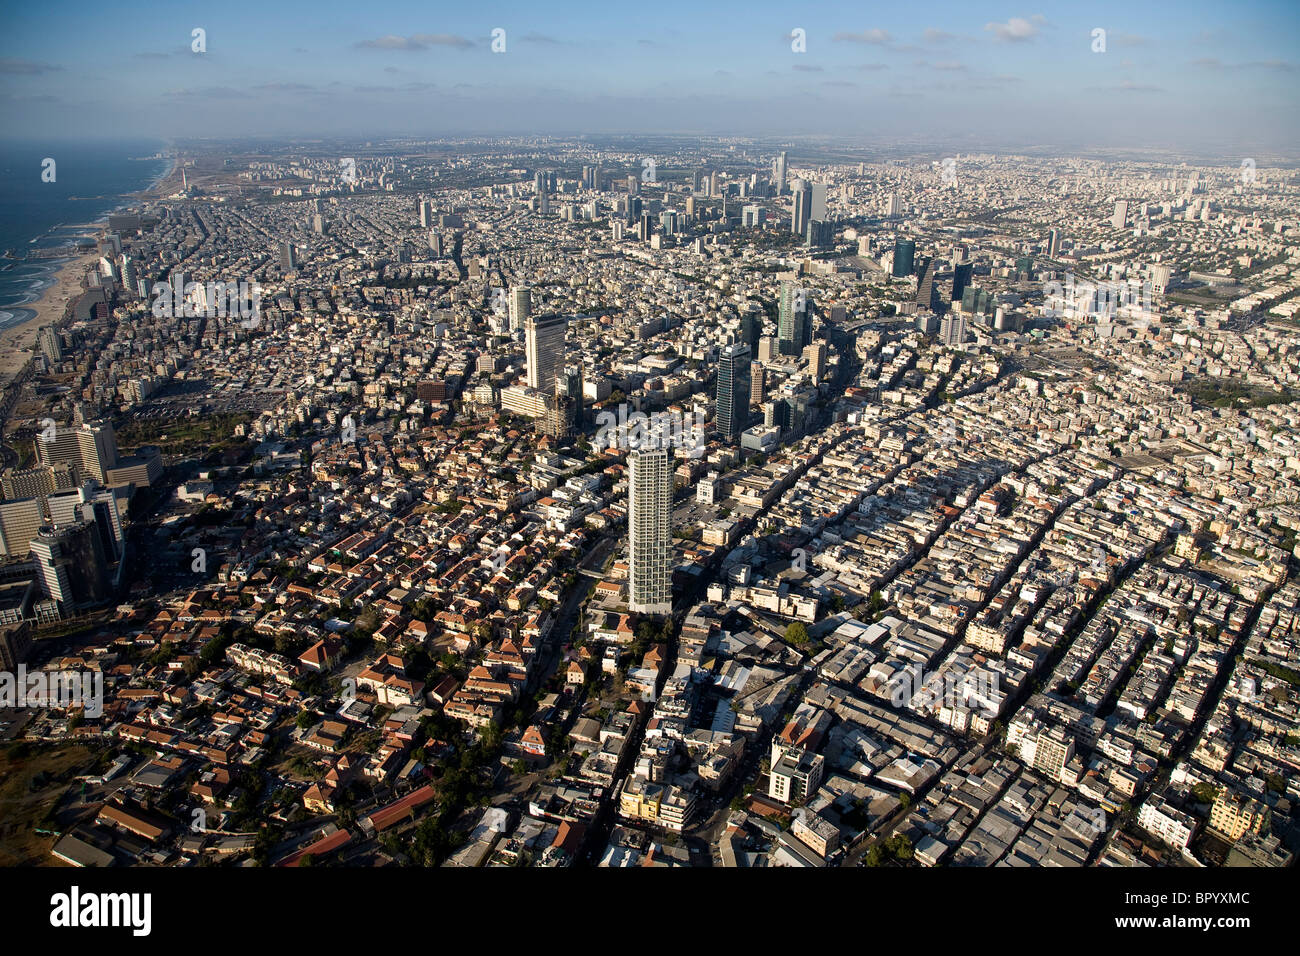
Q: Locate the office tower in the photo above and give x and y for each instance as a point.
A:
(818, 210)
(544, 350)
(781, 163)
(426, 214)
(435, 244)
(650, 511)
(751, 327)
(1025, 267)
(792, 319)
(751, 217)
(974, 301)
(893, 206)
(925, 286)
(961, 276)
(94, 505)
(633, 185)
(1160, 276)
(288, 257)
(318, 224)
(569, 385)
(543, 203)
(20, 522)
(91, 450)
(520, 305)
(617, 228)
(539, 182)
(802, 207)
(1053, 243)
(904, 254)
(696, 176)
(690, 208)
(733, 390)
(70, 563)
(587, 177)
(766, 348)
(647, 227)
(668, 222)
(633, 210)
(757, 383)
(1121, 215)
(952, 330)
(821, 233)
(715, 184)
(815, 356)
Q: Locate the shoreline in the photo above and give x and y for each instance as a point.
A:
(48, 308)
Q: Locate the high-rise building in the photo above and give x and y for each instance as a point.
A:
(757, 383)
(650, 510)
(799, 219)
(952, 330)
(925, 297)
(20, 522)
(71, 565)
(961, 276)
(95, 505)
(818, 209)
(50, 343)
(426, 214)
(821, 233)
(715, 184)
(1053, 243)
(318, 224)
(815, 355)
(781, 163)
(1121, 215)
(633, 185)
(520, 305)
(91, 449)
(892, 206)
(544, 350)
(733, 390)
(793, 318)
(288, 257)
(751, 327)
(904, 254)
(1025, 267)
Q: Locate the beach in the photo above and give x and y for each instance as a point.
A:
(49, 308)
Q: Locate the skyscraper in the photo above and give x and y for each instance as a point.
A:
(904, 253)
(520, 305)
(750, 329)
(892, 206)
(544, 350)
(794, 308)
(952, 330)
(925, 286)
(426, 214)
(818, 202)
(71, 565)
(733, 390)
(961, 277)
(803, 195)
(758, 383)
(650, 501)
(1053, 243)
(781, 162)
(815, 355)
(1121, 215)
(91, 449)
(288, 257)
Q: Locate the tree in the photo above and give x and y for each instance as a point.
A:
(796, 634)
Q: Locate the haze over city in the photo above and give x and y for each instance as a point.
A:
(1202, 77)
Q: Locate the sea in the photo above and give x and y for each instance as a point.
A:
(91, 180)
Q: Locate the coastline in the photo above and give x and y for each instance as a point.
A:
(66, 284)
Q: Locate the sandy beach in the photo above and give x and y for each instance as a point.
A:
(49, 308)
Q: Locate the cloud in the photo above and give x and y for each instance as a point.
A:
(950, 66)
(285, 87)
(1128, 86)
(538, 38)
(874, 36)
(1016, 30)
(839, 83)
(418, 41)
(151, 56)
(804, 68)
(14, 66)
(870, 67)
(938, 36)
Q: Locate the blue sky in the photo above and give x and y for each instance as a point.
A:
(1183, 75)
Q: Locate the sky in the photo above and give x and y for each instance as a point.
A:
(1191, 75)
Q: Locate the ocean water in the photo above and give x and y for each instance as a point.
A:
(92, 179)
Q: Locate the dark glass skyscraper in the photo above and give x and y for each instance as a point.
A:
(904, 254)
(733, 390)
(961, 279)
(793, 322)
